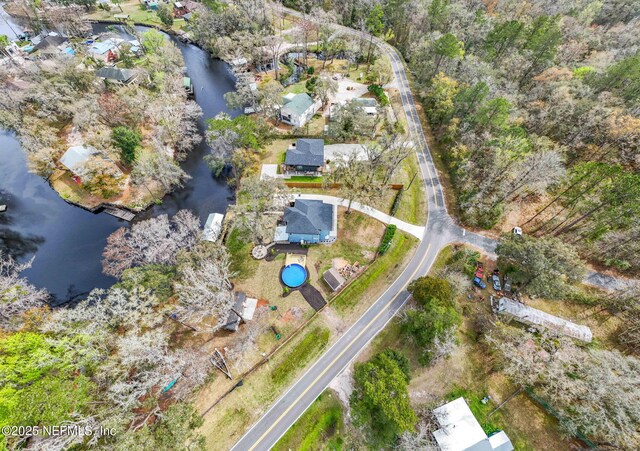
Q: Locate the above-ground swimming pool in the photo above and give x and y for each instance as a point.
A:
(294, 275)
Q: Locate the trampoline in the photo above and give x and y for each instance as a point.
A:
(294, 275)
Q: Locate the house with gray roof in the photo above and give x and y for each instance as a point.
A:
(308, 221)
(298, 109)
(305, 155)
(116, 75)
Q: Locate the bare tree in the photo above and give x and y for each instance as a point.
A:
(154, 241)
(17, 295)
(204, 286)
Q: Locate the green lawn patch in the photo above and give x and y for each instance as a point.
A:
(304, 179)
(320, 427)
(383, 265)
(242, 264)
(302, 353)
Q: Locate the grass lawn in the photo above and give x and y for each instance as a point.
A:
(379, 274)
(235, 413)
(298, 356)
(320, 427)
(136, 14)
(242, 263)
(413, 207)
(304, 179)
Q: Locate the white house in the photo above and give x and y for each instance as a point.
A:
(460, 431)
(298, 109)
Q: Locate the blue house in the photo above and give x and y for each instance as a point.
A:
(308, 221)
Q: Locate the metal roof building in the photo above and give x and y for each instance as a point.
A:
(534, 317)
(75, 158)
(460, 431)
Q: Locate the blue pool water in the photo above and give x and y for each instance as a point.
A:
(294, 275)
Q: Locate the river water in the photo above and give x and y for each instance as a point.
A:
(67, 241)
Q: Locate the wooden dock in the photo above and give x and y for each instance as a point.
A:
(120, 213)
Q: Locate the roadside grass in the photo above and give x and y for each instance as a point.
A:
(314, 342)
(382, 271)
(321, 427)
(226, 423)
(242, 264)
(413, 208)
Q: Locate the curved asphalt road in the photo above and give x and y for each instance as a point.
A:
(440, 230)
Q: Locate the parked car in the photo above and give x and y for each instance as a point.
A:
(507, 284)
(517, 231)
(478, 282)
(495, 282)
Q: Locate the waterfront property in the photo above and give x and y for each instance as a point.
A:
(76, 158)
(298, 109)
(305, 156)
(308, 222)
(105, 51)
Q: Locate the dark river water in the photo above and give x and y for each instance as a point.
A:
(67, 241)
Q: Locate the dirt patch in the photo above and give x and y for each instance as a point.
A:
(343, 386)
(333, 320)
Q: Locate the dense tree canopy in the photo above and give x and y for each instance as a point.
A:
(380, 399)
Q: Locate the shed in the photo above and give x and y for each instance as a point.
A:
(534, 317)
(334, 279)
(242, 311)
(213, 227)
(75, 158)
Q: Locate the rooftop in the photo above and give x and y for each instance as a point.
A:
(333, 279)
(308, 217)
(75, 157)
(306, 152)
(115, 73)
(460, 431)
(296, 105)
(532, 316)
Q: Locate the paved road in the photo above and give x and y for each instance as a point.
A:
(439, 230)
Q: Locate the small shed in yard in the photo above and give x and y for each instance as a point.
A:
(334, 279)
(537, 318)
(213, 227)
(460, 431)
(242, 311)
